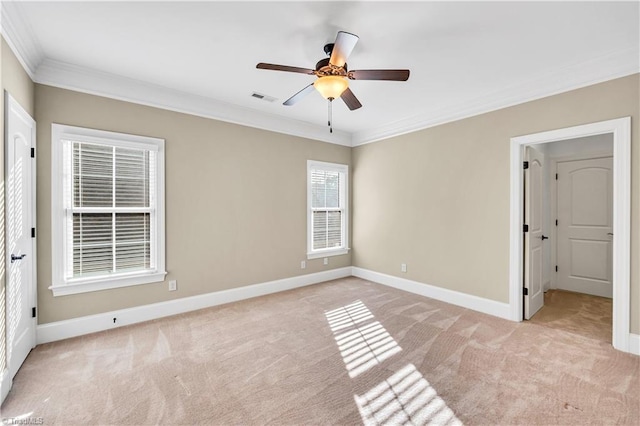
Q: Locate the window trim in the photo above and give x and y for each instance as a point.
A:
(60, 286)
(333, 251)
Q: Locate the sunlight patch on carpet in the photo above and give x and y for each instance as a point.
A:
(362, 346)
(348, 316)
(405, 398)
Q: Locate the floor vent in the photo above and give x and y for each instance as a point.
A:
(263, 97)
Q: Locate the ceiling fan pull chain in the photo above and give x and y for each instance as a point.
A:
(330, 115)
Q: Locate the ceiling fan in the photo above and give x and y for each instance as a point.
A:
(333, 74)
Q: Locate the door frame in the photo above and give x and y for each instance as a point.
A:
(10, 104)
(621, 130)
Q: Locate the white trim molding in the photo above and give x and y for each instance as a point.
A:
(621, 130)
(106, 283)
(634, 343)
(20, 37)
(23, 42)
(67, 76)
(479, 304)
(59, 330)
(5, 384)
(94, 82)
(613, 65)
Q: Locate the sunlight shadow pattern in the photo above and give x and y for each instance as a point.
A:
(348, 316)
(405, 398)
(361, 347)
(365, 347)
(13, 284)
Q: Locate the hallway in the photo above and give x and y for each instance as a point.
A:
(583, 314)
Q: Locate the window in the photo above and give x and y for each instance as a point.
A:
(107, 210)
(327, 215)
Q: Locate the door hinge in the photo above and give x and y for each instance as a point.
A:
(33, 312)
(525, 165)
(556, 176)
(525, 228)
(33, 232)
(556, 268)
(33, 153)
(525, 291)
(556, 222)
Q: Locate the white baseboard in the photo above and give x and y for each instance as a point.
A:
(634, 343)
(90, 324)
(5, 385)
(464, 300)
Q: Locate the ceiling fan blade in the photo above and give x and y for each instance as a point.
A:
(344, 44)
(350, 99)
(394, 75)
(301, 94)
(287, 68)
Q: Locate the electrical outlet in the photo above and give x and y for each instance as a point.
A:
(403, 267)
(303, 264)
(326, 260)
(173, 285)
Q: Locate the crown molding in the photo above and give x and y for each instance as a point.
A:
(607, 67)
(86, 80)
(22, 41)
(20, 37)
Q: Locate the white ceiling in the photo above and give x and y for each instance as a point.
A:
(464, 58)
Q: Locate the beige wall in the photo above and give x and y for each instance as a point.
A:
(235, 201)
(438, 199)
(16, 81)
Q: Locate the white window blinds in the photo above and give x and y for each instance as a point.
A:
(107, 210)
(111, 213)
(327, 207)
(327, 213)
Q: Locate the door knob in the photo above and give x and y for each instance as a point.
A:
(610, 233)
(544, 238)
(14, 257)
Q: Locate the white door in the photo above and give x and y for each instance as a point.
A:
(533, 238)
(20, 218)
(585, 226)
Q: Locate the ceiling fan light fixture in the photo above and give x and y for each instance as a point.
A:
(331, 86)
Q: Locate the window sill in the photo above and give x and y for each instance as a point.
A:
(328, 253)
(106, 283)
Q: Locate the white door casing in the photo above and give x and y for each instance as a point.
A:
(620, 128)
(20, 136)
(534, 243)
(585, 226)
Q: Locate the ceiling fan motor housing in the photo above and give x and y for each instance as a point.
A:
(323, 67)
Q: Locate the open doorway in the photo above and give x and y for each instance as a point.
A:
(574, 235)
(620, 131)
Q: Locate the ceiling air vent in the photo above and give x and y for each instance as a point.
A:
(263, 97)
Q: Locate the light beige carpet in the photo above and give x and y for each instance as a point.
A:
(584, 314)
(343, 352)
